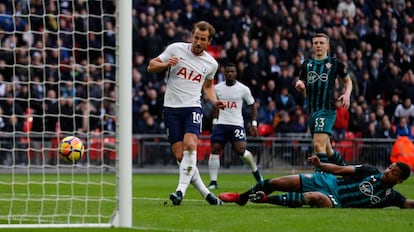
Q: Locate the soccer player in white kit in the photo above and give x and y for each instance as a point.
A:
(230, 124)
(190, 69)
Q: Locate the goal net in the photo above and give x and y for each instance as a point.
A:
(58, 65)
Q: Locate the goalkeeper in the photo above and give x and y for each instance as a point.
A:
(357, 186)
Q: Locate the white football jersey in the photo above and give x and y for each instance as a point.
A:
(235, 95)
(185, 80)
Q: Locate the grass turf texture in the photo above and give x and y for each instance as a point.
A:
(150, 213)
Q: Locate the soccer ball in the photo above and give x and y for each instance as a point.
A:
(71, 149)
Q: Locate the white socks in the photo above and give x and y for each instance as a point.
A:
(199, 184)
(248, 159)
(214, 163)
(187, 167)
(213, 166)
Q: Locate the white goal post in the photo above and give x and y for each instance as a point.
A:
(65, 69)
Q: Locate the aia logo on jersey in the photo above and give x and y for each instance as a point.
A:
(231, 105)
(189, 74)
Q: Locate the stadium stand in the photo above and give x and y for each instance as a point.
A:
(267, 40)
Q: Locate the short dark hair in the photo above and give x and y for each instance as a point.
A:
(230, 65)
(405, 170)
(204, 26)
(321, 35)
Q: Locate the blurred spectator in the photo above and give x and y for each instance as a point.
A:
(13, 118)
(403, 129)
(285, 125)
(300, 125)
(65, 109)
(285, 56)
(272, 68)
(390, 80)
(108, 113)
(391, 105)
(357, 120)
(67, 89)
(109, 41)
(341, 124)
(405, 110)
(38, 143)
(254, 48)
(284, 101)
(147, 124)
(267, 114)
(153, 43)
(378, 108)
(6, 19)
(10, 108)
(268, 40)
(407, 45)
(269, 93)
(89, 103)
(235, 51)
(372, 118)
(366, 87)
(370, 132)
(386, 130)
(6, 141)
(3, 86)
(14, 126)
(286, 79)
(346, 8)
(408, 83)
(154, 103)
(253, 75)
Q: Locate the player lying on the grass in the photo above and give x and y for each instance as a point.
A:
(351, 186)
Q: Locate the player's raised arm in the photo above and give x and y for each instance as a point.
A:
(156, 64)
(331, 168)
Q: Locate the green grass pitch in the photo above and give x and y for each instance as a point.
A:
(150, 213)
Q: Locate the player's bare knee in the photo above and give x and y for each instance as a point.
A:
(239, 148)
(190, 146)
(317, 199)
(318, 147)
(217, 148)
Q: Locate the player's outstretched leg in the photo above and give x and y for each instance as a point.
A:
(257, 176)
(292, 200)
(186, 171)
(197, 182)
(336, 158)
(248, 159)
(241, 199)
